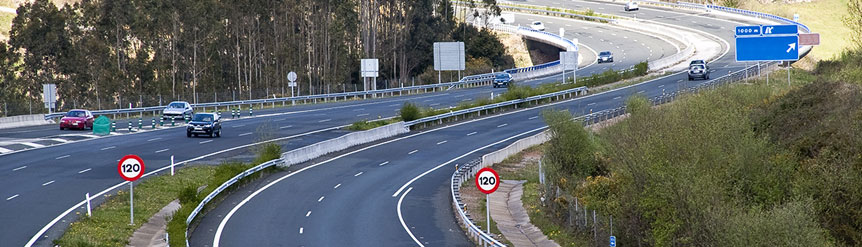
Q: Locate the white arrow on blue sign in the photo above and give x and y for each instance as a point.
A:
(767, 48)
(613, 241)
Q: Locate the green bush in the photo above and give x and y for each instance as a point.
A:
(188, 194)
(267, 152)
(410, 112)
(571, 153)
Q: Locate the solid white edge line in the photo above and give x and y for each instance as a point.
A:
(403, 224)
(79, 204)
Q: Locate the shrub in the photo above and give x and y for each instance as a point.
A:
(267, 152)
(410, 112)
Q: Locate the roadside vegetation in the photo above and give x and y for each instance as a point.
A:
(367, 125)
(746, 164)
(410, 111)
(109, 224)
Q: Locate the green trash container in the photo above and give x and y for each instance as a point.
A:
(102, 126)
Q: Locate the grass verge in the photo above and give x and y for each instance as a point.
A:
(109, 225)
(367, 125)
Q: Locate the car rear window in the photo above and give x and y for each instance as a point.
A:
(203, 118)
(698, 67)
(76, 114)
(502, 76)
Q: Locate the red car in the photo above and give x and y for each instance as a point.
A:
(77, 119)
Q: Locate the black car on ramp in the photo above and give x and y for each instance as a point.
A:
(204, 124)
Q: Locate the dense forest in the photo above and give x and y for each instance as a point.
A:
(103, 54)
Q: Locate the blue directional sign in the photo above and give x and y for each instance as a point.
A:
(767, 48)
(779, 29)
(747, 30)
(613, 241)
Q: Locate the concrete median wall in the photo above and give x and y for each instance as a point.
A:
(319, 149)
(23, 121)
(514, 148)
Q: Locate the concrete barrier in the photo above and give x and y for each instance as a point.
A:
(514, 148)
(23, 121)
(313, 151)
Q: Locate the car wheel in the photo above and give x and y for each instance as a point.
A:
(61, 128)
(196, 135)
(689, 78)
(218, 133)
(188, 134)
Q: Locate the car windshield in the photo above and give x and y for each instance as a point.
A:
(176, 105)
(537, 23)
(76, 114)
(502, 76)
(203, 118)
(605, 53)
(698, 62)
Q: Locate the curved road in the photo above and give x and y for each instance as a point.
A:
(396, 192)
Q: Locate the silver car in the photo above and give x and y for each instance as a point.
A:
(178, 109)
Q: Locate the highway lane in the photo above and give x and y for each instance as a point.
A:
(208, 225)
(424, 200)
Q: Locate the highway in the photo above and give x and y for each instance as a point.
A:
(41, 183)
(396, 193)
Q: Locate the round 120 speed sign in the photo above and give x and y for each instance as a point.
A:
(131, 167)
(487, 180)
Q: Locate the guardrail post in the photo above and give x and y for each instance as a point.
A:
(130, 126)
(113, 126)
(173, 121)
(141, 122)
(250, 110)
(161, 121)
(154, 122)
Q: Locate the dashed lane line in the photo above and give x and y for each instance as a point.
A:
(85, 170)
(441, 142)
(12, 197)
(413, 152)
(49, 182)
(62, 157)
(383, 164)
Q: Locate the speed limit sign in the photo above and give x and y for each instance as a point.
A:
(487, 180)
(131, 167)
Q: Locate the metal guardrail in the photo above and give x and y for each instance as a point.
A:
(223, 187)
(468, 80)
(460, 175)
(689, 5)
(478, 109)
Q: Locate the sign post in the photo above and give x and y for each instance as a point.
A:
(370, 68)
(487, 181)
(49, 96)
(569, 61)
(131, 168)
(291, 77)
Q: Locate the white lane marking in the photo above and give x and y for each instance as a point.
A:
(402, 218)
(661, 85)
(300, 230)
(383, 164)
(467, 99)
(592, 103)
(3, 150)
(534, 117)
(62, 157)
(321, 199)
(237, 126)
(394, 105)
(357, 175)
(363, 114)
(106, 148)
(336, 186)
(680, 80)
(285, 127)
(207, 141)
(618, 97)
(471, 133)
(49, 182)
(641, 91)
(308, 214)
(462, 156)
(85, 170)
(325, 120)
(166, 149)
(441, 142)
(245, 134)
(413, 152)
(502, 125)
(435, 104)
(12, 197)
(59, 140)
(360, 109)
(154, 139)
(32, 145)
(19, 168)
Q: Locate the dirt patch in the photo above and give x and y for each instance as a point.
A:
(516, 47)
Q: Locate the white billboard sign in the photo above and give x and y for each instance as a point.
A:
(49, 95)
(569, 60)
(448, 56)
(369, 68)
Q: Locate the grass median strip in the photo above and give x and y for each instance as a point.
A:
(109, 224)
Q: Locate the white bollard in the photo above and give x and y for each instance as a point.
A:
(89, 212)
(172, 165)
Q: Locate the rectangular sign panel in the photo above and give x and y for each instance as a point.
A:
(369, 68)
(747, 30)
(809, 39)
(448, 56)
(767, 48)
(779, 29)
(569, 60)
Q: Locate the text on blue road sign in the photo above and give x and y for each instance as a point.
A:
(748, 30)
(767, 48)
(780, 29)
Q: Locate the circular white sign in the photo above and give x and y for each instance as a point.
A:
(487, 180)
(131, 167)
(291, 76)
